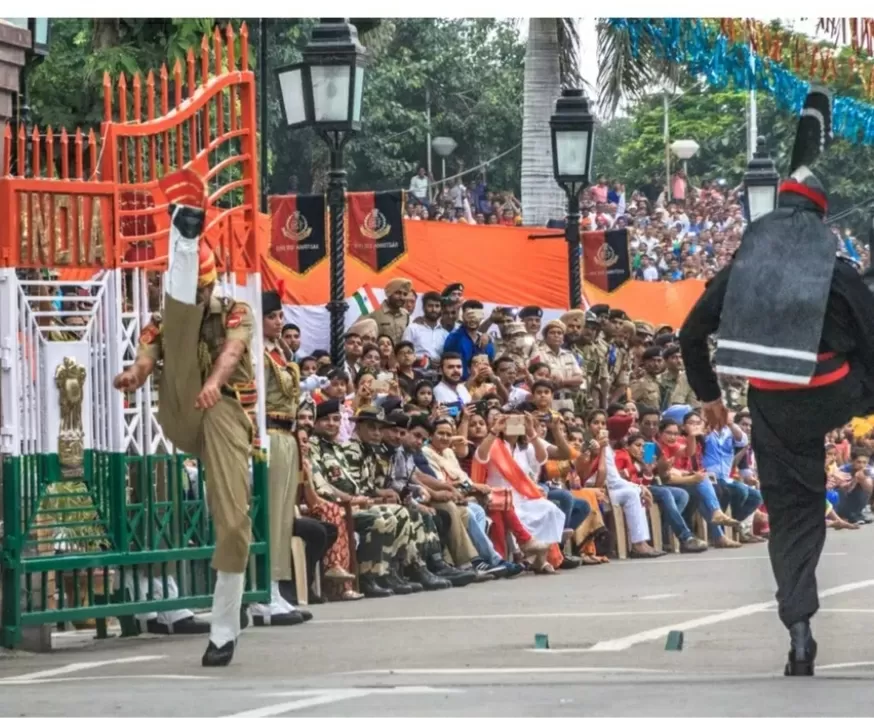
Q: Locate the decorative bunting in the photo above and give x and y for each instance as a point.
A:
(606, 259)
(375, 228)
(298, 226)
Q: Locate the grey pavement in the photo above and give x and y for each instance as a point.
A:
(471, 651)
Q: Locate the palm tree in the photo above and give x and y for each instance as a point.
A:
(551, 61)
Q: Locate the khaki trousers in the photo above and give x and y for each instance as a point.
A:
(220, 437)
(284, 475)
(460, 546)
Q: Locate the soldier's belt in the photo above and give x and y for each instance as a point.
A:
(246, 393)
(277, 424)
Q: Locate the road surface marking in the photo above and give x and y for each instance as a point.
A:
(75, 667)
(516, 616)
(656, 596)
(700, 559)
(312, 698)
(499, 671)
(76, 679)
(856, 664)
(621, 644)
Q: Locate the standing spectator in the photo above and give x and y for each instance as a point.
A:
(291, 337)
(647, 272)
(599, 191)
(678, 187)
(427, 335)
(468, 340)
(419, 185)
(391, 318)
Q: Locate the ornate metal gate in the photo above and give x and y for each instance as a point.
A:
(100, 516)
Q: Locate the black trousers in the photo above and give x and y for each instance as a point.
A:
(318, 536)
(788, 438)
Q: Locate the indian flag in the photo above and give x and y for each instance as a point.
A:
(365, 299)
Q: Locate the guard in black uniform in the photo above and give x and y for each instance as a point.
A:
(797, 322)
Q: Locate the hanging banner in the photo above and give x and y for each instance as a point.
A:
(299, 224)
(375, 228)
(606, 259)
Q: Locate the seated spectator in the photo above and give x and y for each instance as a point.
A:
(386, 352)
(451, 392)
(481, 381)
(370, 358)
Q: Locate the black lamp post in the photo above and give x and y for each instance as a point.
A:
(324, 92)
(760, 183)
(573, 132)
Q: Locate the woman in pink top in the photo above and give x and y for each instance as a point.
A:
(599, 191)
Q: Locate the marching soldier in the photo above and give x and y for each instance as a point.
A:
(282, 395)
(206, 396)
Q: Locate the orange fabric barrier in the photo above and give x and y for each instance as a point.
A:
(495, 264)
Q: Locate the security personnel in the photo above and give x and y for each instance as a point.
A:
(282, 396)
(391, 318)
(581, 337)
(531, 317)
(206, 398)
(619, 358)
(675, 385)
(565, 373)
(647, 389)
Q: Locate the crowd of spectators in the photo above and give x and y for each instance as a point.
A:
(513, 444)
(687, 232)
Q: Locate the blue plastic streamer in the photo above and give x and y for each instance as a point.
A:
(707, 51)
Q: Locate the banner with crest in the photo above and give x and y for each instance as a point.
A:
(375, 228)
(299, 224)
(606, 259)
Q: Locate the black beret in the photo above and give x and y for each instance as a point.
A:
(665, 339)
(592, 318)
(398, 419)
(617, 314)
(670, 351)
(391, 403)
(421, 421)
(327, 407)
(457, 287)
(652, 353)
(270, 302)
(600, 309)
(530, 311)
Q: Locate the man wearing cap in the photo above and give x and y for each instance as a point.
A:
(566, 374)
(391, 318)
(647, 389)
(453, 292)
(206, 396)
(531, 317)
(281, 398)
(582, 330)
(796, 321)
(621, 331)
(468, 340)
(365, 328)
(675, 385)
(333, 480)
(365, 453)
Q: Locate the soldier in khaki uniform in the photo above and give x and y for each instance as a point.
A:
(647, 389)
(675, 385)
(582, 328)
(282, 395)
(206, 399)
(391, 318)
(566, 374)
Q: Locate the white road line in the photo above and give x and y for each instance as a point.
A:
(621, 644)
(311, 698)
(701, 559)
(77, 679)
(656, 596)
(498, 671)
(833, 666)
(511, 616)
(75, 667)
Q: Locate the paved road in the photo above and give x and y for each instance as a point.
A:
(471, 651)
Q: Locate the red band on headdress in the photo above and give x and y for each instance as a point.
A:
(818, 198)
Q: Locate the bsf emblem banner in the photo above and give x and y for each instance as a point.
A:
(297, 236)
(375, 228)
(606, 259)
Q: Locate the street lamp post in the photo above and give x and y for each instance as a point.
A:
(760, 183)
(324, 92)
(685, 151)
(573, 131)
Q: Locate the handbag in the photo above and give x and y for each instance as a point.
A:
(500, 499)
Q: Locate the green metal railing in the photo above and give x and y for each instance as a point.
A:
(75, 546)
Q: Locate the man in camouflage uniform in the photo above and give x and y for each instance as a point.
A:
(647, 390)
(582, 332)
(206, 396)
(675, 385)
(619, 356)
(282, 395)
(366, 454)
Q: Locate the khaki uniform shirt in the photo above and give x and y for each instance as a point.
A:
(648, 391)
(282, 380)
(225, 320)
(562, 365)
(391, 323)
(331, 468)
(676, 390)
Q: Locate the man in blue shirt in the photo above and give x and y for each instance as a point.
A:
(719, 451)
(467, 340)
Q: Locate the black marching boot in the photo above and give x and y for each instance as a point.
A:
(455, 576)
(395, 584)
(423, 577)
(370, 587)
(218, 657)
(802, 650)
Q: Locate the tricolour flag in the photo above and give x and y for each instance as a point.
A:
(365, 299)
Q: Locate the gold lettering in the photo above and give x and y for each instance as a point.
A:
(26, 254)
(97, 239)
(41, 206)
(63, 228)
(80, 228)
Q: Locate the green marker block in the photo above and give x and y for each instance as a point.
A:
(675, 641)
(541, 641)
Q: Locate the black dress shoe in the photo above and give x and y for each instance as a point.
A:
(802, 650)
(186, 626)
(395, 585)
(214, 657)
(244, 616)
(314, 599)
(456, 577)
(368, 585)
(292, 618)
(307, 615)
(427, 580)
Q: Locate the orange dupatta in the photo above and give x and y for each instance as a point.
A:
(518, 479)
